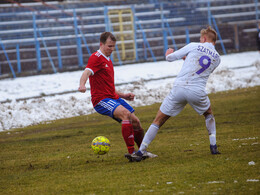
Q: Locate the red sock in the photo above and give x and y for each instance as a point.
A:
(139, 135)
(128, 134)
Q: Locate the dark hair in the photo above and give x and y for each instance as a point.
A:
(104, 36)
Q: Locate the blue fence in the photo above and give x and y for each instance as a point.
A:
(39, 38)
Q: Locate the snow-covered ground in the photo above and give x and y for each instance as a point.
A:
(59, 98)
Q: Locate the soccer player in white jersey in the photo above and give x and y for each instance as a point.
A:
(201, 59)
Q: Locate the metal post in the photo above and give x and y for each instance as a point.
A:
(165, 40)
(145, 51)
(117, 52)
(136, 46)
(79, 49)
(221, 41)
(85, 41)
(37, 44)
(59, 55)
(47, 51)
(187, 36)
(236, 37)
(106, 19)
(108, 26)
(6, 55)
(146, 43)
(18, 59)
(171, 35)
(256, 14)
(209, 13)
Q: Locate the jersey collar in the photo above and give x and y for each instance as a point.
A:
(210, 44)
(103, 55)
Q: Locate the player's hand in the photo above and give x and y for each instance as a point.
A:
(129, 96)
(169, 51)
(82, 89)
(184, 58)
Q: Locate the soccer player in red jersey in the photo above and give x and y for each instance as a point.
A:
(108, 101)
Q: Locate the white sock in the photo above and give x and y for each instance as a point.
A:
(149, 137)
(211, 127)
(212, 139)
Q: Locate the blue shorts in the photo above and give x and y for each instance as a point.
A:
(107, 107)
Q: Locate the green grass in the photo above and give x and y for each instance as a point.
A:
(56, 158)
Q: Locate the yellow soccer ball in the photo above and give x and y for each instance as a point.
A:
(100, 145)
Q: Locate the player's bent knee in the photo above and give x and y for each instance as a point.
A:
(208, 112)
(126, 115)
(122, 113)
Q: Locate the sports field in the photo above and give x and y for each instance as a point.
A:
(56, 158)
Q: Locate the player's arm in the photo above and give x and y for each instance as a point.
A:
(127, 96)
(168, 52)
(172, 55)
(83, 79)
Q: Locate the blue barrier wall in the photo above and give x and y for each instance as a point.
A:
(58, 36)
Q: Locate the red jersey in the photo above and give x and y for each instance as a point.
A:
(102, 78)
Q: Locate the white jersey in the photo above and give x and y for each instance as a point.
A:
(201, 60)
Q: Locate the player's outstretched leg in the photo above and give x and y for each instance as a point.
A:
(148, 138)
(211, 127)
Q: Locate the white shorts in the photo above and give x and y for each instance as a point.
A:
(174, 103)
